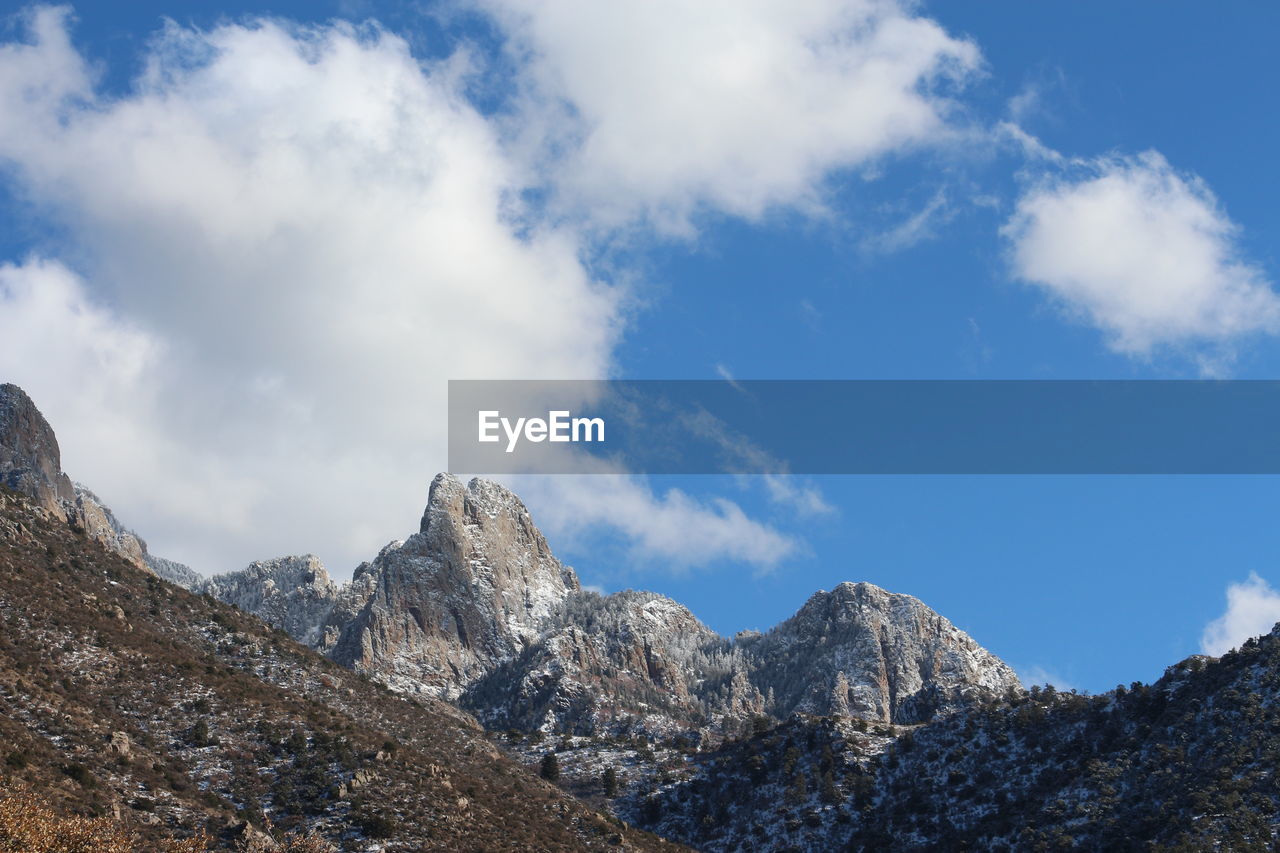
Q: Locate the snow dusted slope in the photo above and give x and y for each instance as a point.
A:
(293, 593)
(631, 659)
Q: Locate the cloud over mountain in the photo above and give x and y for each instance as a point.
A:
(275, 245)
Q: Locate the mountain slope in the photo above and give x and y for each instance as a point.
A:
(1185, 764)
(123, 694)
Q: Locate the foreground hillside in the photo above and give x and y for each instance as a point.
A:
(126, 697)
(1188, 763)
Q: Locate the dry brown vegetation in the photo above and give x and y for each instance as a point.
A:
(28, 825)
(123, 695)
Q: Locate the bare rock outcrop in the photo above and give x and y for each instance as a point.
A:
(476, 609)
(30, 461)
(294, 594)
(863, 651)
(31, 464)
(474, 587)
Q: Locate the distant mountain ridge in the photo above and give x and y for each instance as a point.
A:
(864, 722)
(475, 608)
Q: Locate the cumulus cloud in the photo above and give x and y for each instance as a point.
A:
(1144, 253)
(1253, 609)
(285, 239)
(657, 109)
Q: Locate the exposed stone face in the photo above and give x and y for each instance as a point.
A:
(30, 462)
(100, 524)
(295, 594)
(603, 660)
(878, 655)
(474, 587)
(475, 608)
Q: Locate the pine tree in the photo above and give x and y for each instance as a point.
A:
(610, 781)
(550, 767)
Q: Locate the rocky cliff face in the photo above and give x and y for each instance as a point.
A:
(101, 525)
(30, 461)
(31, 464)
(292, 593)
(603, 663)
(474, 587)
(861, 651)
(476, 609)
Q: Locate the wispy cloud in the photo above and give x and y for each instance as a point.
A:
(727, 375)
(1035, 674)
(915, 229)
(670, 529)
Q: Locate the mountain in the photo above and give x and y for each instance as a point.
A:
(475, 608)
(471, 589)
(30, 460)
(1185, 764)
(864, 652)
(31, 465)
(405, 709)
(137, 713)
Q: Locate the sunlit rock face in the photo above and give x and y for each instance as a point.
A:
(473, 588)
(476, 609)
(865, 652)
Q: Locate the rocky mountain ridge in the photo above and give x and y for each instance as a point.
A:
(476, 609)
(31, 465)
(864, 722)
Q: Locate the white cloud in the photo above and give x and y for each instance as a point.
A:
(287, 239)
(799, 494)
(673, 528)
(1253, 609)
(1142, 252)
(658, 109)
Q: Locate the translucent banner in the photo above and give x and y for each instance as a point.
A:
(864, 427)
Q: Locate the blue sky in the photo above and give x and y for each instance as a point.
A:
(243, 250)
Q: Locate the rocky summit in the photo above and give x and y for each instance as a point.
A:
(31, 465)
(864, 652)
(475, 608)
